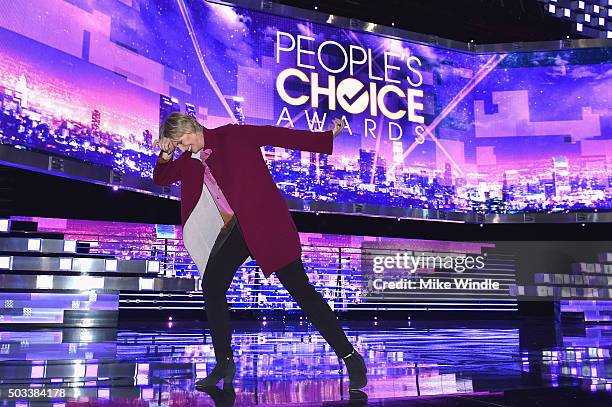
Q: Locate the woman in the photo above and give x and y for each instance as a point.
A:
(257, 223)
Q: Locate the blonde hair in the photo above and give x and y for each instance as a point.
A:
(178, 124)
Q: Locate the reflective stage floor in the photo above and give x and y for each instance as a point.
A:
(459, 364)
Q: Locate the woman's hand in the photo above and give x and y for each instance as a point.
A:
(167, 145)
(337, 127)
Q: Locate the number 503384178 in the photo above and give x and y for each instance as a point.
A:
(34, 392)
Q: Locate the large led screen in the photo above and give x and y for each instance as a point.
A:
(426, 127)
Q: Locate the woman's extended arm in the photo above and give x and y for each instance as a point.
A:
(318, 142)
(306, 140)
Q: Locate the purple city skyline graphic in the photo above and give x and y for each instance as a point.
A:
(514, 132)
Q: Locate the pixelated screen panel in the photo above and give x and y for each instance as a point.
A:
(426, 127)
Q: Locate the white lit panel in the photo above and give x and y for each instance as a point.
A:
(6, 262)
(70, 246)
(152, 266)
(44, 282)
(34, 245)
(65, 264)
(110, 264)
(146, 283)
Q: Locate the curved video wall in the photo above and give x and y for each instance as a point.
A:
(426, 127)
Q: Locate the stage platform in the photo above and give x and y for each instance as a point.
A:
(458, 363)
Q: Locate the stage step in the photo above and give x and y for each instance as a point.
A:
(89, 282)
(591, 280)
(592, 311)
(605, 257)
(91, 308)
(591, 268)
(584, 292)
(48, 281)
(35, 246)
(77, 264)
(21, 228)
(559, 292)
(47, 345)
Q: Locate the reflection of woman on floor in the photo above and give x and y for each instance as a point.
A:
(252, 221)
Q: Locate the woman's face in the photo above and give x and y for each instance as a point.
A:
(189, 142)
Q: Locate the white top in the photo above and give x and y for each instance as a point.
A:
(202, 228)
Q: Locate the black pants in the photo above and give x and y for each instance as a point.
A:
(227, 254)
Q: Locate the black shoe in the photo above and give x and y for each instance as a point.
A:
(221, 398)
(356, 367)
(357, 398)
(225, 369)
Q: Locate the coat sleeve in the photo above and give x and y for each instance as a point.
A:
(166, 173)
(306, 140)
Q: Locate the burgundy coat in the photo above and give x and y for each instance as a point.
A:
(238, 166)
